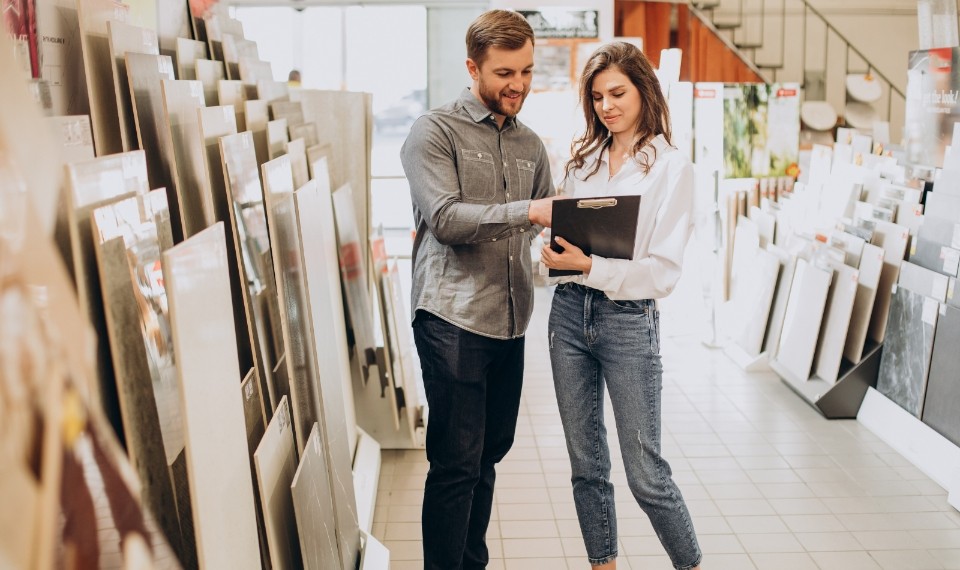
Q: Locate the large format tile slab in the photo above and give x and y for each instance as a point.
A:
(276, 461)
(339, 428)
(131, 235)
(188, 52)
(210, 73)
(905, 360)
(181, 101)
(297, 152)
(124, 38)
(104, 112)
(61, 58)
(871, 265)
(942, 399)
(302, 365)
(836, 322)
(221, 488)
(801, 326)
(893, 239)
(233, 93)
(313, 507)
(277, 138)
(216, 122)
(248, 224)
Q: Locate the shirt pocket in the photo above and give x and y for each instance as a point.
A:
(525, 170)
(478, 177)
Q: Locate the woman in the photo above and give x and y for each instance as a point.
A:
(604, 324)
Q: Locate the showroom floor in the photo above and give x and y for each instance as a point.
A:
(770, 483)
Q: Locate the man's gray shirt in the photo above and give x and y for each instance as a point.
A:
(471, 185)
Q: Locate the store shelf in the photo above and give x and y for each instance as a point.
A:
(840, 400)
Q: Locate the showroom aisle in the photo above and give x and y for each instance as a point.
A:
(770, 483)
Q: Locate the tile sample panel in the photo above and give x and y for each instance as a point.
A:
(313, 507)
(188, 52)
(182, 100)
(125, 38)
(801, 325)
(871, 264)
(905, 360)
(836, 322)
(210, 73)
(195, 274)
(942, 398)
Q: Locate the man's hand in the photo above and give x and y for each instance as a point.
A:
(541, 211)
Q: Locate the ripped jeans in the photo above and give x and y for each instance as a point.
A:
(597, 342)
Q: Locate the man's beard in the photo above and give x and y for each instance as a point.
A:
(492, 100)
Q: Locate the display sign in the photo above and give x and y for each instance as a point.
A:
(562, 23)
(933, 90)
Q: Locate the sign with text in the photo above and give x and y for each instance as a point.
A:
(562, 22)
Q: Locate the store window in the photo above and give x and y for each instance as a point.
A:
(378, 49)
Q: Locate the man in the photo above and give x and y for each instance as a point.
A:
(480, 182)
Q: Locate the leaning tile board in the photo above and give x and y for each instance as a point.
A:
(210, 73)
(893, 239)
(130, 236)
(216, 122)
(233, 93)
(92, 184)
(836, 322)
(942, 399)
(257, 117)
(248, 226)
(801, 325)
(145, 72)
(321, 266)
(221, 489)
(298, 342)
(256, 422)
(905, 360)
(760, 286)
(276, 138)
(276, 461)
(75, 140)
(297, 152)
(313, 507)
(292, 111)
(93, 16)
(355, 285)
(305, 131)
(871, 265)
(124, 38)
(61, 58)
(181, 102)
(188, 52)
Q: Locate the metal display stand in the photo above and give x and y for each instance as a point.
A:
(841, 400)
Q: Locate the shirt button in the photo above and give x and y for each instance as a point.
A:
(494, 239)
(479, 155)
(511, 258)
(521, 231)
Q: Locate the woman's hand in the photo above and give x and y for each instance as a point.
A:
(572, 257)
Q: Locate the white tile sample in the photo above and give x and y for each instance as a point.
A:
(124, 38)
(313, 507)
(221, 488)
(801, 326)
(276, 461)
(181, 101)
(836, 322)
(188, 52)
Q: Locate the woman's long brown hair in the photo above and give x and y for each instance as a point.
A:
(654, 115)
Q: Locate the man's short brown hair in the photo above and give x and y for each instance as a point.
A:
(500, 28)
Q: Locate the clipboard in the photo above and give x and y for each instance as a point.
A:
(606, 226)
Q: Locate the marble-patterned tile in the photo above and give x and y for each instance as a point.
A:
(313, 507)
(905, 361)
(276, 461)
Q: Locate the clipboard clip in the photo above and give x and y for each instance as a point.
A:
(596, 204)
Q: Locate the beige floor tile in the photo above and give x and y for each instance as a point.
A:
(514, 496)
(906, 560)
(529, 529)
(719, 544)
(574, 548)
(813, 523)
(745, 507)
(711, 525)
(641, 546)
(661, 562)
(535, 564)
(404, 550)
(404, 513)
(531, 547)
(402, 531)
(949, 558)
(783, 561)
(734, 491)
(828, 541)
(525, 512)
(887, 540)
(727, 562)
(520, 481)
(934, 539)
(844, 561)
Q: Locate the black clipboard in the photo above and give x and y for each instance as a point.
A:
(606, 226)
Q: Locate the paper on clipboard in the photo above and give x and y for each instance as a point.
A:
(605, 226)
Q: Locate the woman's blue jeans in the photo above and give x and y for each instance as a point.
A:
(597, 342)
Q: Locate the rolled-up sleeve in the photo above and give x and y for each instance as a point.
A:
(654, 275)
(429, 162)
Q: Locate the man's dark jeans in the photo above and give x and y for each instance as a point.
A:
(473, 389)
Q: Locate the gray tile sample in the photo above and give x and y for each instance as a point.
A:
(302, 365)
(181, 101)
(145, 72)
(248, 224)
(943, 206)
(276, 461)
(221, 489)
(923, 281)
(339, 427)
(942, 398)
(871, 264)
(313, 507)
(935, 256)
(836, 322)
(801, 325)
(125, 38)
(905, 360)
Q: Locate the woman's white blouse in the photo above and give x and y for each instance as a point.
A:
(664, 226)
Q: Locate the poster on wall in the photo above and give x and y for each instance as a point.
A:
(783, 128)
(933, 88)
(562, 22)
(20, 21)
(745, 151)
(708, 126)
